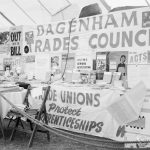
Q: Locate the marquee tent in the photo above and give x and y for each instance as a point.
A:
(30, 12)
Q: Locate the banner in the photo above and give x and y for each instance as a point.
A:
(82, 110)
(119, 31)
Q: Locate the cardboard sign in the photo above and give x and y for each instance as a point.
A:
(16, 41)
(138, 57)
(84, 62)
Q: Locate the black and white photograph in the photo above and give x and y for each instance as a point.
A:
(74, 74)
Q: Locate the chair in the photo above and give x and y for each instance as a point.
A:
(32, 112)
(13, 113)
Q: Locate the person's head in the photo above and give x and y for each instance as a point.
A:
(7, 68)
(122, 58)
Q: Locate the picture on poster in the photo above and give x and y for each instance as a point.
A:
(55, 64)
(29, 39)
(115, 58)
(4, 42)
(101, 61)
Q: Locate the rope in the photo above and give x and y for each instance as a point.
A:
(81, 139)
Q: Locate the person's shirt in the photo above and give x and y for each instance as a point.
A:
(121, 68)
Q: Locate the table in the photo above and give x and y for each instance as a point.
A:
(89, 109)
(16, 97)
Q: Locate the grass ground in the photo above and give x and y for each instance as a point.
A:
(40, 142)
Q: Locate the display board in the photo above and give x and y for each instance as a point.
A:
(126, 30)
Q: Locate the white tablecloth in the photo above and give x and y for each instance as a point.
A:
(14, 97)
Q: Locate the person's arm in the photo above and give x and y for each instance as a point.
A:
(125, 69)
(117, 68)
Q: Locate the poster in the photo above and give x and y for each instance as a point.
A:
(84, 62)
(4, 41)
(101, 62)
(55, 67)
(55, 61)
(28, 40)
(67, 62)
(16, 40)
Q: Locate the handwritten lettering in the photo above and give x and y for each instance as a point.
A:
(74, 123)
(64, 110)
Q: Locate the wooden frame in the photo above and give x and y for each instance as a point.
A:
(38, 117)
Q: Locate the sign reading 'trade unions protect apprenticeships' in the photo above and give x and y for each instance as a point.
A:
(82, 110)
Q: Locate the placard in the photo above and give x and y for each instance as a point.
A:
(138, 57)
(16, 41)
(84, 62)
